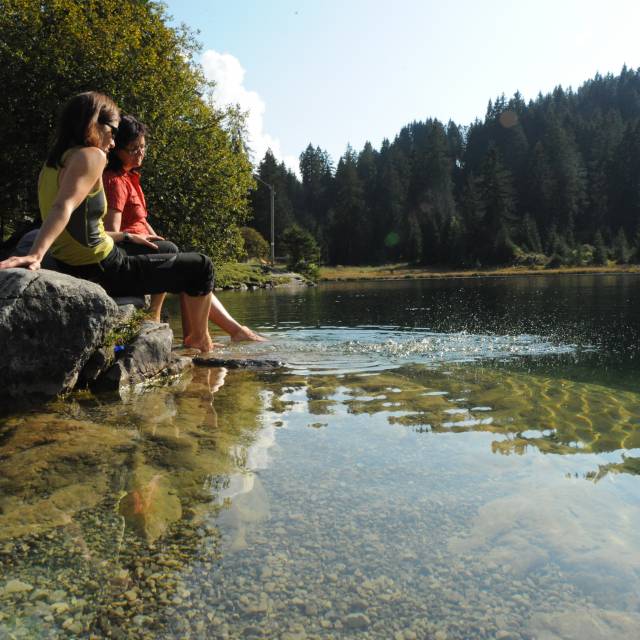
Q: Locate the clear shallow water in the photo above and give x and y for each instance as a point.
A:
(439, 460)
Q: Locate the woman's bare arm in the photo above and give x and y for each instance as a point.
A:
(113, 220)
(77, 180)
(113, 224)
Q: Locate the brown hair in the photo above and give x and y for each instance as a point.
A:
(77, 124)
(129, 130)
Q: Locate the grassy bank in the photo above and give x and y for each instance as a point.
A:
(237, 275)
(404, 271)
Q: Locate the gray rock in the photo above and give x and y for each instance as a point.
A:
(50, 324)
(137, 302)
(237, 363)
(148, 354)
(177, 365)
(99, 362)
(103, 358)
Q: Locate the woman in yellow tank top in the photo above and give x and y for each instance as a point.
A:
(73, 205)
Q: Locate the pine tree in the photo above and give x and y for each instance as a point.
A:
(621, 251)
(391, 204)
(499, 206)
(568, 192)
(636, 244)
(530, 237)
(471, 208)
(454, 245)
(625, 183)
(316, 170)
(413, 239)
(348, 233)
(600, 253)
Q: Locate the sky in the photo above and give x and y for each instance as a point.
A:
(339, 72)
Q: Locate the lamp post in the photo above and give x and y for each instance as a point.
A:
(272, 193)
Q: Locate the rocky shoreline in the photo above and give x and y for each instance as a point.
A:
(59, 334)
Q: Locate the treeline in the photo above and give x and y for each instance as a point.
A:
(553, 181)
(196, 176)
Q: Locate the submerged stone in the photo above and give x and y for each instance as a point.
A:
(237, 363)
(356, 621)
(15, 586)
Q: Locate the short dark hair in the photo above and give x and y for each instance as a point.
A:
(77, 124)
(130, 129)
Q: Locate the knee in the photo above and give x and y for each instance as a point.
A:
(207, 273)
(165, 246)
(208, 268)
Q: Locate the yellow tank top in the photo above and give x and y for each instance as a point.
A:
(84, 240)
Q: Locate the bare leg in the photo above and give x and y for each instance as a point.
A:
(197, 311)
(184, 315)
(156, 306)
(220, 316)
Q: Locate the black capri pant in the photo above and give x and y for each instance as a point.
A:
(149, 271)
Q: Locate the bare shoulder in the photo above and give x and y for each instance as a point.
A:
(86, 160)
(89, 156)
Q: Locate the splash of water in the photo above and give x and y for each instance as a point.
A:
(347, 349)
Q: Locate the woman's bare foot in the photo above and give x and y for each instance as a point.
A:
(204, 344)
(244, 333)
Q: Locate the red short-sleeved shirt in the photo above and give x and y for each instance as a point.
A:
(125, 194)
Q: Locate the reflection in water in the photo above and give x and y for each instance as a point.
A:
(88, 490)
(551, 415)
(409, 476)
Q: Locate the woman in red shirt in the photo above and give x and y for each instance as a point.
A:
(127, 212)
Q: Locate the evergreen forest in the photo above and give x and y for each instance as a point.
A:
(555, 181)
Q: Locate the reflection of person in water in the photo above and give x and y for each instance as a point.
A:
(127, 213)
(150, 507)
(215, 379)
(156, 493)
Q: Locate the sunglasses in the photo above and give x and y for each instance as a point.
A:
(114, 129)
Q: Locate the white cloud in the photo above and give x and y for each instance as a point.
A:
(227, 72)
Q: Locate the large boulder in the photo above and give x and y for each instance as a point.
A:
(50, 324)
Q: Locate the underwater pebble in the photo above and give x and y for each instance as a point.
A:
(131, 595)
(356, 621)
(59, 608)
(15, 586)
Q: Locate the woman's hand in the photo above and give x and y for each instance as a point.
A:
(30, 262)
(146, 239)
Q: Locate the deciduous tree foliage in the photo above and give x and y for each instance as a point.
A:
(255, 246)
(559, 175)
(302, 251)
(196, 176)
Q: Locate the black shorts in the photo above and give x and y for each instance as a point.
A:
(135, 249)
(136, 275)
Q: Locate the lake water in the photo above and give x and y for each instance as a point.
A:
(438, 459)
